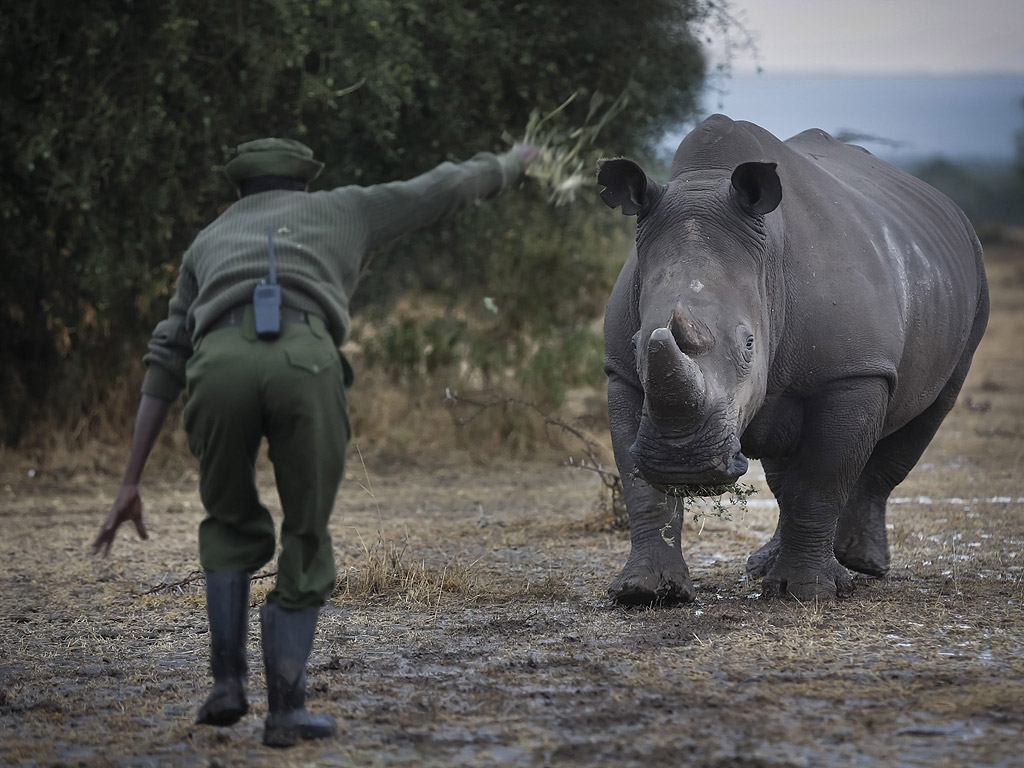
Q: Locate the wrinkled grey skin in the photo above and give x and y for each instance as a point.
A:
(799, 302)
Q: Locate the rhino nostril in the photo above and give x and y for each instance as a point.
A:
(739, 465)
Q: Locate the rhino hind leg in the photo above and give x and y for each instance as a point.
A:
(762, 559)
(861, 542)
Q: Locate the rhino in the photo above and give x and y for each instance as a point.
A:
(800, 302)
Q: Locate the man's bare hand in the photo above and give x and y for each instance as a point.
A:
(127, 506)
(528, 152)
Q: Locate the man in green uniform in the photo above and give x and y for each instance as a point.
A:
(245, 382)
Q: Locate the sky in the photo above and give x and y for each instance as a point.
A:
(930, 77)
(883, 36)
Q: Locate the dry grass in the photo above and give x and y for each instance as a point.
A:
(402, 422)
(562, 167)
(384, 572)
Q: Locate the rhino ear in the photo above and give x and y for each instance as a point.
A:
(756, 187)
(626, 184)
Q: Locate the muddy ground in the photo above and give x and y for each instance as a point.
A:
(471, 625)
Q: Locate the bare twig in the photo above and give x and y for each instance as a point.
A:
(597, 468)
(192, 578)
(454, 400)
(195, 577)
(611, 480)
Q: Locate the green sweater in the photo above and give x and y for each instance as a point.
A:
(320, 242)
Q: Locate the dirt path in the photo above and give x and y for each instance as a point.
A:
(471, 627)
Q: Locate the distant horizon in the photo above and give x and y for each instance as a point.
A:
(961, 116)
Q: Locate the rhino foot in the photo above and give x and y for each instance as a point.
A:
(760, 562)
(644, 584)
(864, 553)
(826, 582)
(861, 541)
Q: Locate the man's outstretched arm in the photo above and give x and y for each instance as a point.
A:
(399, 207)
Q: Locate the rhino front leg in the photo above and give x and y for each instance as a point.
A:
(655, 572)
(841, 427)
(761, 561)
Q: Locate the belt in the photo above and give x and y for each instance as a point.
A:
(236, 314)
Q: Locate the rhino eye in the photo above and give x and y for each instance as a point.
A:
(748, 347)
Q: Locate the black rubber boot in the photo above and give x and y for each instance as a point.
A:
(227, 606)
(287, 641)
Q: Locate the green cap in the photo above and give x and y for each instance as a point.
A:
(273, 157)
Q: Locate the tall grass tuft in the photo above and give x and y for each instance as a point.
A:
(384, 572)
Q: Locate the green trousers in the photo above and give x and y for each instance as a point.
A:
(292, 390)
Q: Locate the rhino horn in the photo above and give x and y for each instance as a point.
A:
(673, 383)
(692, 336)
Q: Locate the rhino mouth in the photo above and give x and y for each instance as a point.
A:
(675, 481)
(679, 468)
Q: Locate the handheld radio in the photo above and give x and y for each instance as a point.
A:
(266, 300)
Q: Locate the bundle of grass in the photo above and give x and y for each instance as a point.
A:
(562, 168)
(737, 492)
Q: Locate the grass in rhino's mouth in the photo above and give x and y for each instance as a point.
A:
(698, 491)
(737, 492)
(723, 498)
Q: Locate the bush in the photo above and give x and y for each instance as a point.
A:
(118, 113)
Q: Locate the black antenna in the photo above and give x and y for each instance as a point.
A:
(270, 240)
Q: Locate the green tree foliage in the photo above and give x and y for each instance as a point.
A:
(117, 112)
(1020, 148)
(991, 194)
